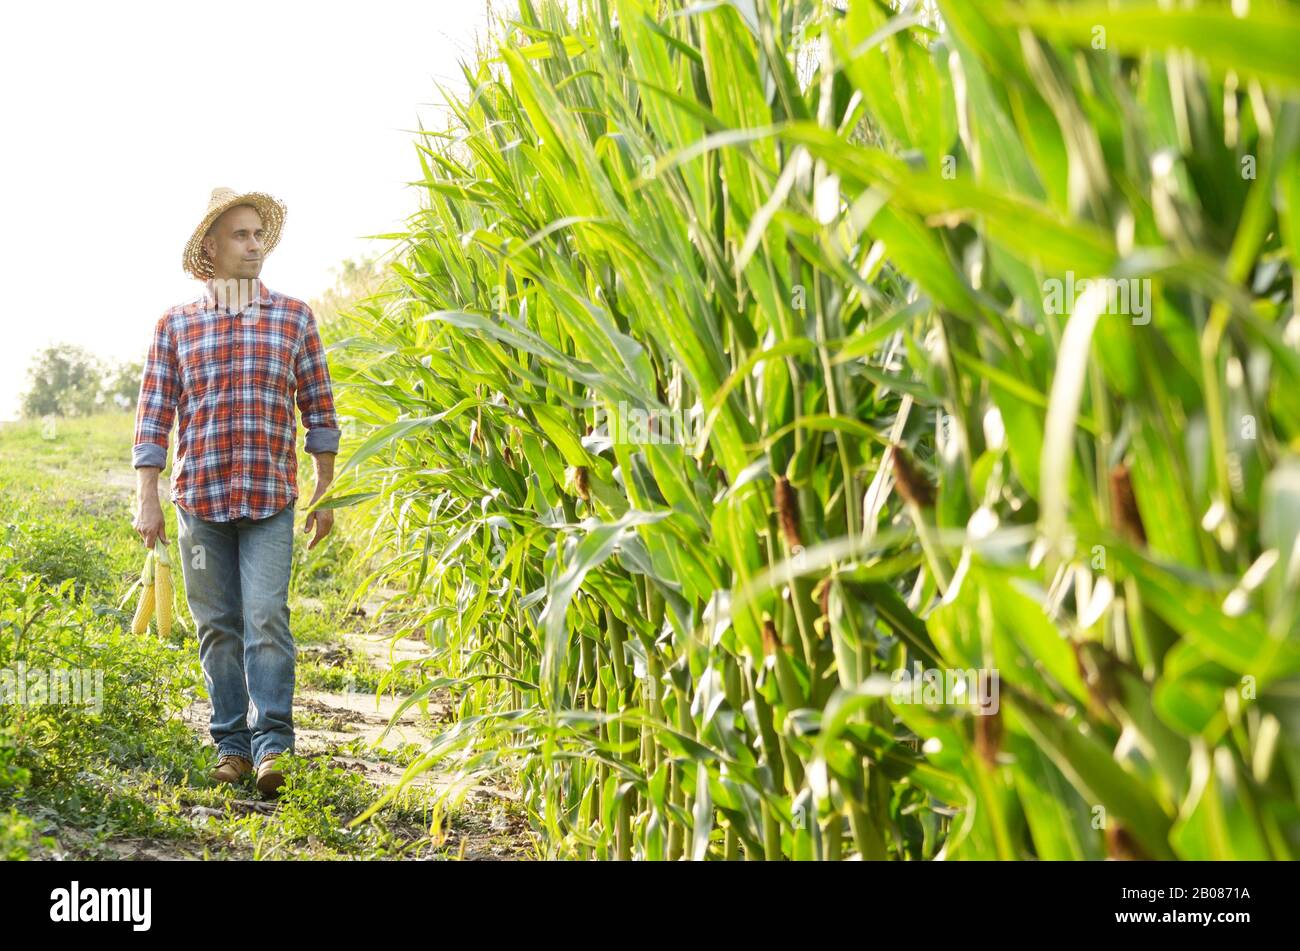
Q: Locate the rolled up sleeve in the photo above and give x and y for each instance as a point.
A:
(155, 410)
(315, 395)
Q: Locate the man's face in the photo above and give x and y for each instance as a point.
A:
(236, 242)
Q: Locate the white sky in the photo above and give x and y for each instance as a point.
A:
(117, 125)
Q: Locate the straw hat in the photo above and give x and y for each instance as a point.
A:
(272, 210)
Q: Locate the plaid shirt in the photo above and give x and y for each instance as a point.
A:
(232, 378)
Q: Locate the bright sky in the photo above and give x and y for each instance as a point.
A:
(119, 124)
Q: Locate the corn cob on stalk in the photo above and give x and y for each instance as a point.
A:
(144, 610)
(162, 587)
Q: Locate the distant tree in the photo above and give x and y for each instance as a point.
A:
(122, 385)
(64, 380)
(354, 282)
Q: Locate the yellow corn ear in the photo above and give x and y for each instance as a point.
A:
(162, 587)
(144, 610)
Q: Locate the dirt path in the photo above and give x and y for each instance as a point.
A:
(346, 717)
(350, 730)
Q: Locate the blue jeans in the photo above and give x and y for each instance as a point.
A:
(237, 587)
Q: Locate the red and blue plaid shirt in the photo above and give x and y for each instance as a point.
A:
(231, 380)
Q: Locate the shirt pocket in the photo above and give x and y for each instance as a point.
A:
(198, 368)
(280, 369)
(272, 363)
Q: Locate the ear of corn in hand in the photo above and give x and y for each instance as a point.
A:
(163, 590)
(144, 610)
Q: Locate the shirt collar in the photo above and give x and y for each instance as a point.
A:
(261, 294)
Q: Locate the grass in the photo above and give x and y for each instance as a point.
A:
(105, 780)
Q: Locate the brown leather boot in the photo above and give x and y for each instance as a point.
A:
(232, 768)
(269, 777)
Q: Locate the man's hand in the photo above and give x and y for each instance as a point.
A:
(324, 521)
(149, 522)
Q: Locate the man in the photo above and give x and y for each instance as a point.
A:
(230, 365)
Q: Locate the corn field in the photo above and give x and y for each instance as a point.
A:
(762, 380)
